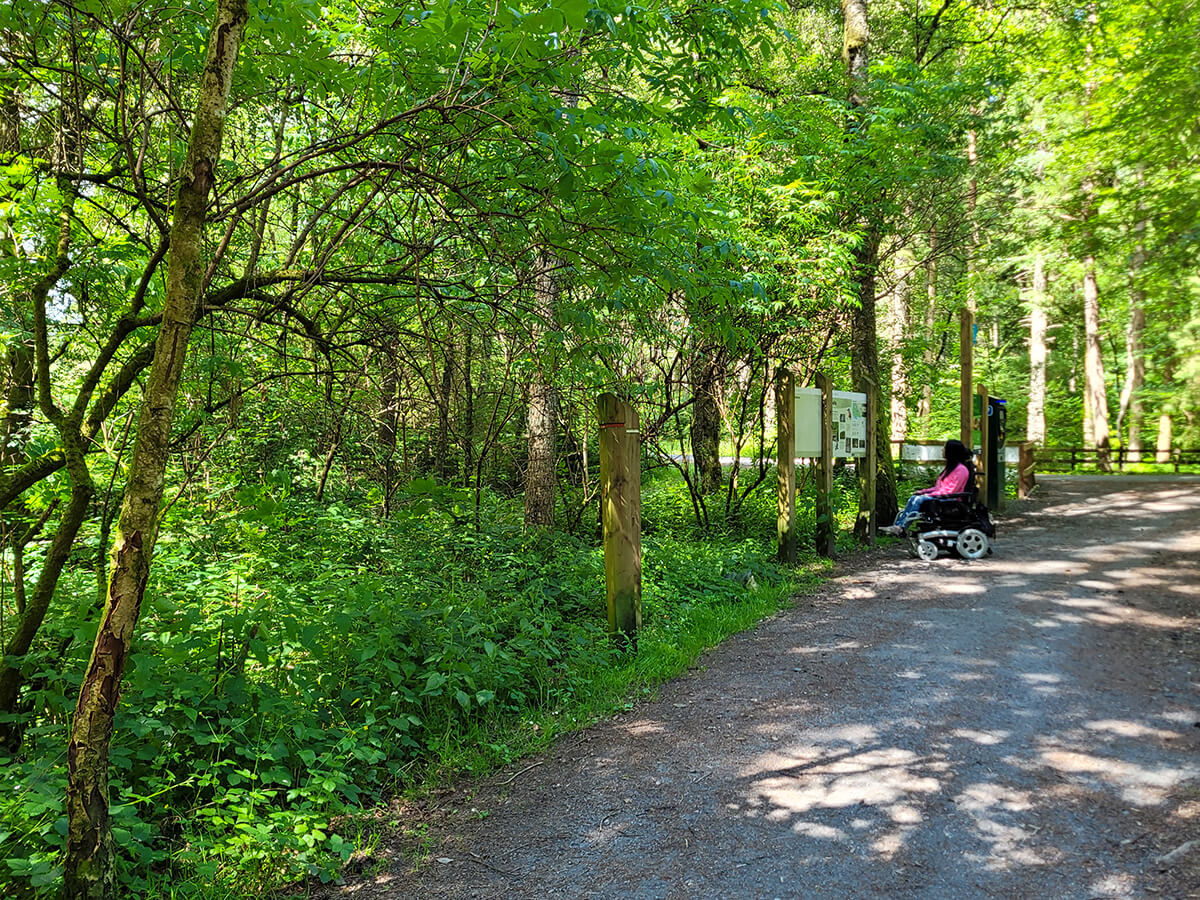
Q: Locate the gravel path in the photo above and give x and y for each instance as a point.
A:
(1025, 726)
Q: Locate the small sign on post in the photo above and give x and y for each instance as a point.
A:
(621, 514)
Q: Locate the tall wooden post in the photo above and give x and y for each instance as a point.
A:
(785, 464)
(825, 529)
(621, 513)
(966, 357)
(984, 474)
(870, 463)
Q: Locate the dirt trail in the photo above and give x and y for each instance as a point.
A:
(1025, 726)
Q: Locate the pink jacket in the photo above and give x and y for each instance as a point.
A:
(953, 483)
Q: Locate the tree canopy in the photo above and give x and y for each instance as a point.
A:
(423, 239)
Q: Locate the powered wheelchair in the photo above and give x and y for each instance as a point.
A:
(952, 522)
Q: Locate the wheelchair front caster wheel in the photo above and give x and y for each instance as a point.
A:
(927, 550)
(972, 544)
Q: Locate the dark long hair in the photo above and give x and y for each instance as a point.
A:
(957, 454)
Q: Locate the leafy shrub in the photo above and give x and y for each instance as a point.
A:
(297, 662)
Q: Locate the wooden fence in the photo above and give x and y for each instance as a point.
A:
(1066, 459)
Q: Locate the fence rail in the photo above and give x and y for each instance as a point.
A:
(1057, 459)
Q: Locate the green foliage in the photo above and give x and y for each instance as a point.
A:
(297, 662)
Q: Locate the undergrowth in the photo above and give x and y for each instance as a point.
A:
(300, 662)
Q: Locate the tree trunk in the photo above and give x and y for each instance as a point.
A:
(973, 221)
(1035, 425)
(389, 424)
(1163, 446)
(445, 395)
(1135, 353)
(705, 433)
(925, 406)
(903, 265)
(30, 385)
(864, 361)
(19, 397)
(468, 424)
(88, 866)
(1131, 399)
(541, 473)
(1096, 406)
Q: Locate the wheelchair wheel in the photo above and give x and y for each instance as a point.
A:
(927, 550)
(972, 544)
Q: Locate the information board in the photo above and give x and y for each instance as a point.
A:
(849, 423)
(808, 423)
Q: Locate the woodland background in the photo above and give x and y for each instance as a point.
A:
(430, 235)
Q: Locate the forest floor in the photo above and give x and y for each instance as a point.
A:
(1024, 726)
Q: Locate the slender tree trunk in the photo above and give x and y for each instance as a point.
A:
(88, 866)
(19, 397)
(973, 221)
(468, 425)
(389, 423)
(1035, 427)
(903, 264)
(1131, 404)
(445, 396)
(925, 408)
(1096, 405)
(1095, 392)
(30, 362)
(1165, 436)
(1131, 399)
(541, 474)
(705, 432)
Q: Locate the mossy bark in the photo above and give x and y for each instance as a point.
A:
(88, 869)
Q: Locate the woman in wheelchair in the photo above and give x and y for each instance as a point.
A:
(957, 477)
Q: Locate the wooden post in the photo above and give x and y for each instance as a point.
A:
(1025, 466)
(785, 464)
(984, 474)
(825, 530)
(966, 356)
(870, 464)
(621, 513)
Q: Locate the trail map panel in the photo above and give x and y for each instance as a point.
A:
(849, 424)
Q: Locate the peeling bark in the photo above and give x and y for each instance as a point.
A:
(88, 866)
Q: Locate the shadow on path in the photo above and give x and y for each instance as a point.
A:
(1022, 726)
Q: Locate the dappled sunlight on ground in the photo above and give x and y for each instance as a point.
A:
(874, 787)
(1137, 784)
(1025, 725)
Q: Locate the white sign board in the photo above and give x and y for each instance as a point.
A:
(849, 423)
(808, 423)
